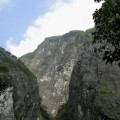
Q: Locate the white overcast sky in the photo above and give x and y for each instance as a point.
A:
(61, 17)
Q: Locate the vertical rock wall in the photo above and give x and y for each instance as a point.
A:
(94, 89)
(6, 104)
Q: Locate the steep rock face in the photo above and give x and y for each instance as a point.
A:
(19, 95)
(94, 91)
(52, 63)
(6, 105)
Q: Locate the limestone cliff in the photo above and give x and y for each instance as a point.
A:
(6, 104)
(19, 96)
(94, 91)
(52, 63)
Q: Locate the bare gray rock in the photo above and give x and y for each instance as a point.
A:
(94, 89)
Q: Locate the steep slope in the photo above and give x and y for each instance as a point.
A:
(94, 91)
(19, 95)
(52, 63)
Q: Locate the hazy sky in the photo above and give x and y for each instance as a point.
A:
(25, 23)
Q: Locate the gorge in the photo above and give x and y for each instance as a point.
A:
(68, 81)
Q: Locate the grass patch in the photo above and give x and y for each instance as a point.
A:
(104, 90)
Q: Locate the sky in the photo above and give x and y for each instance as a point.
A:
(26, 23)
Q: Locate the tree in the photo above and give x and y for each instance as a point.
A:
(107, 33)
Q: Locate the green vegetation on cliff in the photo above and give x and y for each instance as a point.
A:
(62, 113)
(26, 100)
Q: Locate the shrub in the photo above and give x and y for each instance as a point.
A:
(3, 68)
(104, 90)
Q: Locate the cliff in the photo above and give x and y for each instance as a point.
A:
(94, 91)
(91, 92)
(52, 63)
(19, 95)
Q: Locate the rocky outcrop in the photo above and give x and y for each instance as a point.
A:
(6, 105)
(94, 89)
(19, 95)
(52, 63)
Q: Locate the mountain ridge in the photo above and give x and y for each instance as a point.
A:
(52, 63)
(70, 74)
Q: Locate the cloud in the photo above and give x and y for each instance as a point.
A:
(62, 17)
(3, 2)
